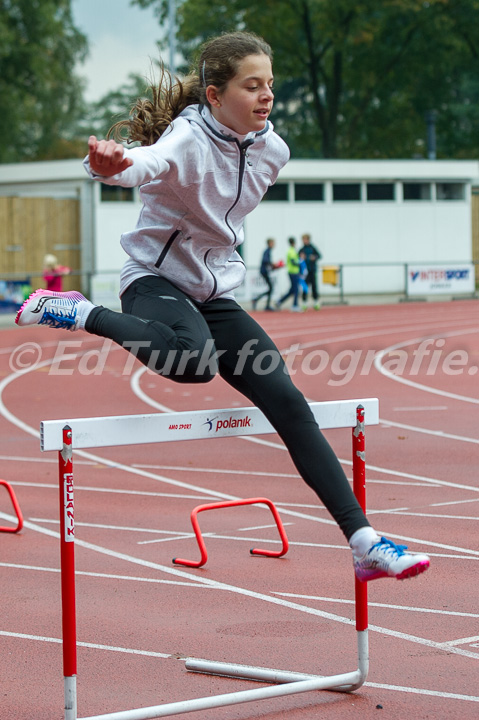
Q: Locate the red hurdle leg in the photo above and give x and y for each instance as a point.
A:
(16, 507)
(359, 487)
(67, 554)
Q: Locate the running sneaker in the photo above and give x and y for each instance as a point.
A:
(55, 309)
(386, 559)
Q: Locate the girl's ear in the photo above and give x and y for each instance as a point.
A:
(212, 96)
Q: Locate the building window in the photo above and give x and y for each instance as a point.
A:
(450, 191)
(416, 191)
(277, 193)
(346, 191)
(308, 192)
(380, 191)
(115, 193)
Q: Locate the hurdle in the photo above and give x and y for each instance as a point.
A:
(233, 503)
(68, 434)
(16, 507)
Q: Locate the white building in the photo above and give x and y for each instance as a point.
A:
(376, 220)
(373, 218)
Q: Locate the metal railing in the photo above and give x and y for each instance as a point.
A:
(337, 281)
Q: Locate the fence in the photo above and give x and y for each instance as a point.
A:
(337, 282)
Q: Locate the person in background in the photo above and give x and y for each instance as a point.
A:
(303, 274)
(267, 266)
(311, 255)
(53, 273)
(292, 265)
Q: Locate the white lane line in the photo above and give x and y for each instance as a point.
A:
(417, 691)
(420, 386)
(455, 502)
(426, 431)
(260, 527)
(240, 538)
(252, 594)
(95, 646)
(150, 653)
(388, 606)
(421, 408)
(145, 493)
(405, 512)
(122, 528)
(51, 460)
(106, 576)
(413, 476)
(462, 641)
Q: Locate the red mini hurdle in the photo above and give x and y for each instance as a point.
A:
(16, 507)
(233, 503)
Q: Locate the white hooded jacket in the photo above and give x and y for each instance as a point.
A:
(197, 185)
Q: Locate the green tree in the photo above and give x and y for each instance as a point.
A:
(355, 78)
(41, 98)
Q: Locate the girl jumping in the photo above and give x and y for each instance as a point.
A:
(208, 154)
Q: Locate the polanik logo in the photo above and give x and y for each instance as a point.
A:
(210, 423)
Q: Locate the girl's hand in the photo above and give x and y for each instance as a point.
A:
(106, 157)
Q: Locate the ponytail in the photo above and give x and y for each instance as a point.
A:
(151, 116)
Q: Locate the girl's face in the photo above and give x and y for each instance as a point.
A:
(247, 101)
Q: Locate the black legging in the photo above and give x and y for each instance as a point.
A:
(188, 341)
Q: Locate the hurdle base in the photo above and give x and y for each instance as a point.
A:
(346, 682)
(285, 683)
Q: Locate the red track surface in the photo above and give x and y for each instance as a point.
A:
(136, 622)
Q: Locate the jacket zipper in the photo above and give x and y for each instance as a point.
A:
(243, 149)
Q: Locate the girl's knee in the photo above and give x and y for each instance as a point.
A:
(187, 366)
(193, 379)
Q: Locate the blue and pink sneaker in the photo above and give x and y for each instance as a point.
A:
(386, 559)
(65, 310)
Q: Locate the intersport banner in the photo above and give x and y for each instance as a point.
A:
(440, 279)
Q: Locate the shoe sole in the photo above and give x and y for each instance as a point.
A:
(413, 571)
(72, 294)
(410, 572)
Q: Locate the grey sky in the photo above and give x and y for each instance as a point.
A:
(122, 40)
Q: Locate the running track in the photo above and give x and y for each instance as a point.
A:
(136, 622)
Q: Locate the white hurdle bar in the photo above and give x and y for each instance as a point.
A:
(64, 435)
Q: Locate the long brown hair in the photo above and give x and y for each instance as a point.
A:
(218, 63)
